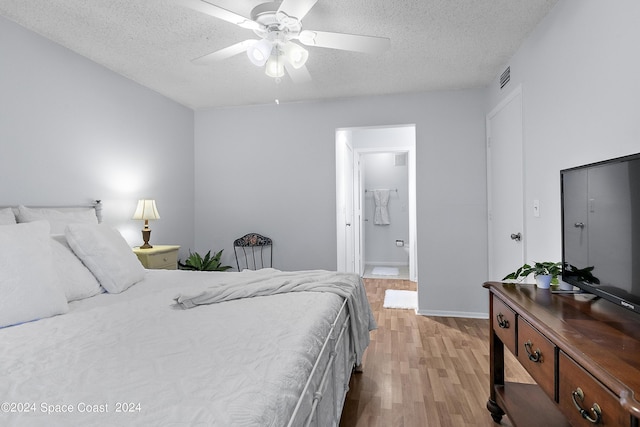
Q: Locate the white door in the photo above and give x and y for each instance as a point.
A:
(344, 203)
(350, 225)
(505, 187)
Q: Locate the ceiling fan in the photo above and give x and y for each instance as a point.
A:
(278, 24)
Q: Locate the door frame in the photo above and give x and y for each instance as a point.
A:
(343, 136)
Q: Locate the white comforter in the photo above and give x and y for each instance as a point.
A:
(134, 359)
(272, 282)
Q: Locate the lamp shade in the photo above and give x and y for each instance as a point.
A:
(275, 66)
(146, 210)
(259, 52)
(296, 55)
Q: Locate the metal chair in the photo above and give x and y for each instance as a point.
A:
(253, 251)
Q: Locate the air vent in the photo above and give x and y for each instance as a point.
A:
(505, 77)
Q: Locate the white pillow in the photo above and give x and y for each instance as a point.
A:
(27, 280)
(105, 252)
(7, 217)
(75, 279)
(58, 219)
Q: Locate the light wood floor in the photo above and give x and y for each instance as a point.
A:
(422, 371)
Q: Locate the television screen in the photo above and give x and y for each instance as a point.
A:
(601, 229)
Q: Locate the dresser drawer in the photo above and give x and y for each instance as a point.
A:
(593, 396)
(167, 260)
(159, 257)
(537, 354)
(504, 323)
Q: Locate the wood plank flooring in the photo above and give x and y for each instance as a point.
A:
(422, 371)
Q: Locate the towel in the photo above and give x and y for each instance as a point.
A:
(381, 199)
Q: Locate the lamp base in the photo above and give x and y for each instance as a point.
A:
(146, 235)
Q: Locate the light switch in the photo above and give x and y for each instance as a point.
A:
(536, 208)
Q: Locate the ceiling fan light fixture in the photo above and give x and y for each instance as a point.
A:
(277, 23)
(275, 67)
(259, 52)
(296, 55)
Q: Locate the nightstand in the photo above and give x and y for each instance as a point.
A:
(159, 257)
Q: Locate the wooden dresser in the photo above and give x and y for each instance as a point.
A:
(583, 353)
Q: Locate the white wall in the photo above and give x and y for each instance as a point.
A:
(72, 131)
(271, 169)
(581, 101)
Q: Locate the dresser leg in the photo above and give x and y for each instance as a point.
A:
(496, 411)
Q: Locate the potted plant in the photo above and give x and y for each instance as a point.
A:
(545, 273)
(195, 261)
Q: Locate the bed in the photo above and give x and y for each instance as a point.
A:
(89, 337)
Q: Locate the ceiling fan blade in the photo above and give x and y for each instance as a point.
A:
(298, 75)
(342, 41)
(210, 8)
(296, 8)
(225, 53)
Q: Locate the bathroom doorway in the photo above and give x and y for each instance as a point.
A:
(386, 215)
(376, 202)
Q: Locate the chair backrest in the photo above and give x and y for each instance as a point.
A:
(253, 251)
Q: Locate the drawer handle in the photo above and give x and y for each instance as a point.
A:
(578, 394)
(502, 322)
(536, 355)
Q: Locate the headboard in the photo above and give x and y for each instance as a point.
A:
(96, 205)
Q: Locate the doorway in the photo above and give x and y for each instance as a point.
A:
(383, 158)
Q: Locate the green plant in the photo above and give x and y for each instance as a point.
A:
(195, 261)
(553, 269)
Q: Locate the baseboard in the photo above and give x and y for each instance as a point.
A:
(442, 313)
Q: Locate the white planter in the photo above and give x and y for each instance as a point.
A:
(543, 281)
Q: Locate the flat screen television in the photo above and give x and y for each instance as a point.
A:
(601, 229)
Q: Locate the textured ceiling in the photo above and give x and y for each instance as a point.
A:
(435, 45)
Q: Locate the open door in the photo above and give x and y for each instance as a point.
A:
(345, 213)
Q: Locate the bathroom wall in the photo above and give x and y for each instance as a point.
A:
(381, 172)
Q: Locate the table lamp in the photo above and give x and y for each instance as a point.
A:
(146, 210)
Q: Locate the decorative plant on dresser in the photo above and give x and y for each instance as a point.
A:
(545, 273)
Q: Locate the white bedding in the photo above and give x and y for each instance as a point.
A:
(137, 360)
(271, 282)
